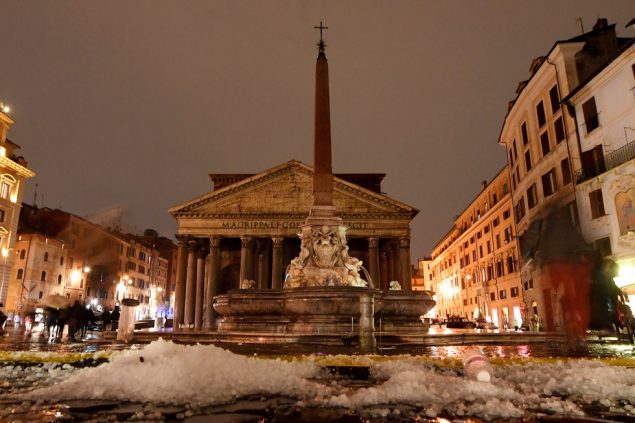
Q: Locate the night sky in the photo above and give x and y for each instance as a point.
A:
(132, 104)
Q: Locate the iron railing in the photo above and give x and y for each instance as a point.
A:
(606, 163)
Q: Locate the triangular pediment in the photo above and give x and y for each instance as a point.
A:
(287, 190)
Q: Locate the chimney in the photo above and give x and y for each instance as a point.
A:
(484, 183)
(601, 24)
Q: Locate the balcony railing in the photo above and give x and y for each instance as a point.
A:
(606, 163)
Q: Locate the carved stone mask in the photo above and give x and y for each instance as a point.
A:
(326, 245)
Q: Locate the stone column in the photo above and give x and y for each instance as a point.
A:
(383, 267)
(190, 285)
(200, 288)
(396, 276)
(212, 281)
(373, 261)
(404, 262)
(245, 257)
(391, 266)
(181, 274)
(276, 264)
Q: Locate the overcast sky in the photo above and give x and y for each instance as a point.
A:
(133, 104)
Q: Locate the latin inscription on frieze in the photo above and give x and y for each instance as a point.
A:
(280, 225)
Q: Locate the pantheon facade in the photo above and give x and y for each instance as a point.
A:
(247, 228)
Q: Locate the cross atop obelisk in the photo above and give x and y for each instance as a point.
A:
(323, 172)
(321, 44)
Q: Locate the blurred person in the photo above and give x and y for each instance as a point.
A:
(565, 258)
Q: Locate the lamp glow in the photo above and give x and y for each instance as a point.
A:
(75, 276)
(5, 252)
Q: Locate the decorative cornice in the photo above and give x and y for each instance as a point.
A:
(19, 169)
(289, 216)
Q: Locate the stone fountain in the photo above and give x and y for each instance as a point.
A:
(324, 296)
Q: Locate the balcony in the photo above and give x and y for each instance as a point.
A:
(606, 163)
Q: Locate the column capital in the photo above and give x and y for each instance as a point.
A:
(244, 241)
(192, 245)
(182, 239)
(214, 241)
(373, 242)
(404, 242)
(202, 251)
(277, 242)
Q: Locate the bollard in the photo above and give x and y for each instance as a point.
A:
(367, 341)
(125, 330)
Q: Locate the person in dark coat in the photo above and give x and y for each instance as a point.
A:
(88, 319)
(74, 319)
(114, 317)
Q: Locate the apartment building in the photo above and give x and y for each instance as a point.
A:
(540, 138)
(604, 113)
(13, 175)
(475, 267)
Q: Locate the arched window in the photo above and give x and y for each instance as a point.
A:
(6, 184)
(20, 273)
(62, 261)
(59, 279)
(46, 256)
(22, 254)
(43, 276)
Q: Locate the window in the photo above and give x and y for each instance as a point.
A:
(498, 241)
(540, 114)
(480, 251)
(489, 247)
(59, 279)
(523, 131)
(549, 183)
(558, 127)
(492, 296)
(499, 268)
(474, 255)
(496, 222)
(505, 189)
(554, 98)
(506, 214)
(502, 294)
(566, 172)
(43, 276)
(4, 190)
(62, 261)
(603, 246)
(514, 291)
(2, 215)
(22, 254)
(515, 151)
(508, 234)
(590, 112)
(142, 255)
(509, 261)
(597, 203)
(46, 256)
(20, 274)
(527, 161)
(544, 143)
(520, 209)
(532, 197)
(40, 295)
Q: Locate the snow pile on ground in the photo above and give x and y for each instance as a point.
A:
(562, 388)
(16, 378)
(164, 372)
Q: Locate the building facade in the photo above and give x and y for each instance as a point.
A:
(63, 253)
(542, 145)
(39, 270)
(604, 109)
(247, 229)
(475, 267)
(13, 175)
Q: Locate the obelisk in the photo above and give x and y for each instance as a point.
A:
(322, 208)
(323, 258)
